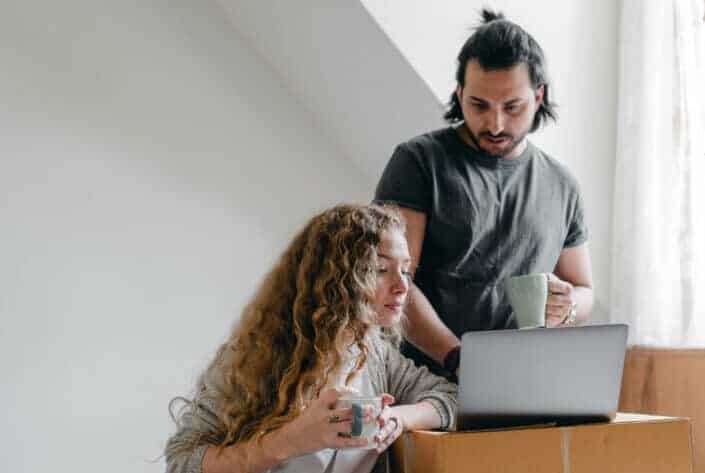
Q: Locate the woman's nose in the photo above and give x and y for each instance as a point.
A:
(401, 284)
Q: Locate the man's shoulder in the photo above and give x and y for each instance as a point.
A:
(435, 139)
(554, 169)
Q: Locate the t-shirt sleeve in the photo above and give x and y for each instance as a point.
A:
(577, 227)
(404, 182)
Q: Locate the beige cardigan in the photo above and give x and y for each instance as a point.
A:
(389, 372)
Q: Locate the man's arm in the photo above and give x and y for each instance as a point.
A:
(573, 285)
(424, 329)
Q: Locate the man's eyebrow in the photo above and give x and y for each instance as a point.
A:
(508, 102)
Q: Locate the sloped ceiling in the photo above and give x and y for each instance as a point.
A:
(342, 67)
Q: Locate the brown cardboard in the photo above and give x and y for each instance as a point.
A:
(631, 443)
(668, 382)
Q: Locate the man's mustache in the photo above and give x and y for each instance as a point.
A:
(496, 137)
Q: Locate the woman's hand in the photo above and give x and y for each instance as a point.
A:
(320, 425)
(390, 423)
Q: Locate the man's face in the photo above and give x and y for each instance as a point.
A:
(499, 108)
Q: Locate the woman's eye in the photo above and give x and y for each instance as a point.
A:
(381, 270)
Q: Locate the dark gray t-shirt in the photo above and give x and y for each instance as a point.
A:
(488, 218)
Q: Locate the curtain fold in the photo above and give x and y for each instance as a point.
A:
(658, 252)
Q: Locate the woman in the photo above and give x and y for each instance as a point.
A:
(321, 325)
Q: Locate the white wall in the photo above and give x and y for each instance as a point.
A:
(335, 57)
(151, 169)
(579, 39)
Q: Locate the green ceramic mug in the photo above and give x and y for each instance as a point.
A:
(527, 295)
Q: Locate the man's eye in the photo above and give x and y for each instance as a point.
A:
(514, 108)
(479, 106)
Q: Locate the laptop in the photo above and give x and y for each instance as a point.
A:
(556, 376)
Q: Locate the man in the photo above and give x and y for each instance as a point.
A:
(482, 203)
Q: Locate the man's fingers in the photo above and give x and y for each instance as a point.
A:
(558, 287)
(556, 311)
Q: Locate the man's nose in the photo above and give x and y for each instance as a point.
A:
(496, 122)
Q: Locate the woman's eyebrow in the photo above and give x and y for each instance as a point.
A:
(382, 255)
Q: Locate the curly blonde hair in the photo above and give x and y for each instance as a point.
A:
(314, 304)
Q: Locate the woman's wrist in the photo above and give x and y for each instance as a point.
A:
(278, 446)
(421, 415)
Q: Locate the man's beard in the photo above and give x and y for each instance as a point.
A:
(513, 143)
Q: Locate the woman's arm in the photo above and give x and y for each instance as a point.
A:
(396, 420)
(421, 415)
(248, 457)
(424, 400)
(412, 385)
(311, 431)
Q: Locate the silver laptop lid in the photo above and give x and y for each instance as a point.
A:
(562, 375)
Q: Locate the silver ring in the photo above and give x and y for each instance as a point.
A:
(571, 316)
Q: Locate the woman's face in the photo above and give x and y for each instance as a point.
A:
(393, 278)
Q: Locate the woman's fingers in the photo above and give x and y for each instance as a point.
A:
(390, 428)
(388, 434)
(387, 400)
(339, 415)
(328, 397)
(349, 442)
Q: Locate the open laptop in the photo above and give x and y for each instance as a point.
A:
(557, 376)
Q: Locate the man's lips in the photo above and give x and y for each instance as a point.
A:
(497, 139)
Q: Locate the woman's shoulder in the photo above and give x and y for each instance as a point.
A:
(382, 344)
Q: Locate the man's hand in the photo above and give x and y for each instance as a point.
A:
(561, 299)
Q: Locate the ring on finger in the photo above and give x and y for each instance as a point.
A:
(333, 419)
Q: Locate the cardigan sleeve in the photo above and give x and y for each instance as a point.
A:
(197, 427)
(410, 384)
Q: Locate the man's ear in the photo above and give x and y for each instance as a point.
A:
(538, 95)
(459, 93)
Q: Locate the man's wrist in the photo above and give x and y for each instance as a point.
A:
(451, 361)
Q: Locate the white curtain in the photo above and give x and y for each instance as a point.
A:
(658, 254)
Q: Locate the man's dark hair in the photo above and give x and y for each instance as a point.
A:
(500, 44)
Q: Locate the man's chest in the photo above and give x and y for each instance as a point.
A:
(488, 216)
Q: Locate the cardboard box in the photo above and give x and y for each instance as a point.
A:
(631, 443)
(668, 382)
